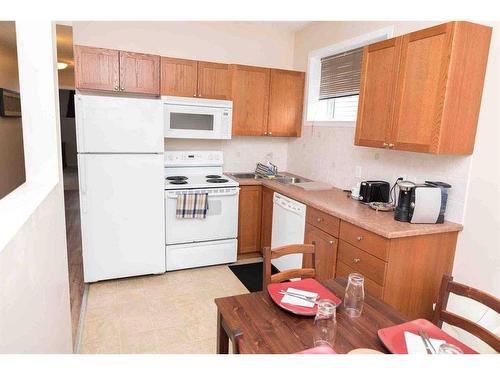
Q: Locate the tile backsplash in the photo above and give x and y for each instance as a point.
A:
(240, 153)
(328, 154)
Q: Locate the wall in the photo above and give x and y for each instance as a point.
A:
(334, 145)
(12, 171)
(475, 179)
(34, 285)
(252, 43)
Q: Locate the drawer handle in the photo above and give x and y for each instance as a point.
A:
(356, 260)
(359, 238)
(330, 242)
(319, 220)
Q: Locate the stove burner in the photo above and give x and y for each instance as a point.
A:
(217, 180)
(178, 182)
(177, 178)
(213, 176)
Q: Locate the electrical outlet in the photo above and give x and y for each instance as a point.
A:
(358, 171)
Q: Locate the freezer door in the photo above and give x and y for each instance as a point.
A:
(122, 215)
(118, 125)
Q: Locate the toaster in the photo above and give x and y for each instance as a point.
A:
(374, 191)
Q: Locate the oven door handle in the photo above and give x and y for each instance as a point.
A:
(225, 194)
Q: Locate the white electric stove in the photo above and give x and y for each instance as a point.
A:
(200, 242)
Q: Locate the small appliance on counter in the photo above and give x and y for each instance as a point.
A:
(421, 203)
(374, 191)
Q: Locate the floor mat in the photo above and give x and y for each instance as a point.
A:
(251, 275)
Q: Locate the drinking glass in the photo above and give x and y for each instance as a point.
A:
(354, 295)
(449, 349)
(325, 323)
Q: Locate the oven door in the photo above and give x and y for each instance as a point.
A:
(188, 121)
(220, 223)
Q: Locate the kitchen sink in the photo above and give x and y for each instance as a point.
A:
(246, 175)
(287, 180)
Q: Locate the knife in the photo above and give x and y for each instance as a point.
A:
(299, 296)
(429, 348)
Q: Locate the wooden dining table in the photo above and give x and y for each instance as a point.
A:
(254, 324)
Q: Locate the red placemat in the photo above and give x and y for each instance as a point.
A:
(394, 339)
(309, 285)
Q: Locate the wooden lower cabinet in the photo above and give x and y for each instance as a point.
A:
(267, 217)
(249, 219)
(326, 251)
(404, 272)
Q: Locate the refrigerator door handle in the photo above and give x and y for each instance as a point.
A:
(80, 120)
(83, 185)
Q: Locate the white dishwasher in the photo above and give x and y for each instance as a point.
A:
(289, 220)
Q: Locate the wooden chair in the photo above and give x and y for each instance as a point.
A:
(270, 254)
(442, 315)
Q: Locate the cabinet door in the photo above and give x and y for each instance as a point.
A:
(267, 217)
(249, 216)
(421, 88)
(178, 77)
(214, 81)
(250, 94)
(139, 73)
(286, 101)
(326, 251)
(96, 68)
(377, 93)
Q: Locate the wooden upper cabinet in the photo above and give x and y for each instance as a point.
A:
(214, 81)
(179, 77)
(439, 81)
(139, 73)
(377, 92)
(286, 101)
(422, 84)
(96, 68)
(250, 94)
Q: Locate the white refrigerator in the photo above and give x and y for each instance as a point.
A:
(121, 178)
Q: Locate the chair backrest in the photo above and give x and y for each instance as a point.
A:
(442, 315)
(270, 254)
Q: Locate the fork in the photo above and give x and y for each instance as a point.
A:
(300, 296)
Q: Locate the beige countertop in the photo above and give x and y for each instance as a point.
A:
(336, 202)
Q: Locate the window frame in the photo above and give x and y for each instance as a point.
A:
(314, 72)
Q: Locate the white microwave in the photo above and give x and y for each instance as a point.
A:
(197, 118)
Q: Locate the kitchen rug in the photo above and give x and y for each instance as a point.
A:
(251, 275)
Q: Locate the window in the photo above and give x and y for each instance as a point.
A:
(334, 76)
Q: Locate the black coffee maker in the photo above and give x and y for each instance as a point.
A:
(421, 203)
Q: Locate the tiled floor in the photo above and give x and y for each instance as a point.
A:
(170, 313)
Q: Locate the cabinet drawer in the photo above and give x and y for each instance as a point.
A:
(343, 270)
(366, 240)
(362, 262)
(328, 223)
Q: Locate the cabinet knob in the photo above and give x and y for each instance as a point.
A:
(270, 133)
(265, 133)
(356, 260)
(391, 145)
(122, 88)
(319, 220)
(359, 238)
(194, 95)
(330, 242)
(116, 88)
(386, 144)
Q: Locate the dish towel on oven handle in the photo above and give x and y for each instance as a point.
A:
(192, 206)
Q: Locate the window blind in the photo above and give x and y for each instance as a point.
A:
(340, 74)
